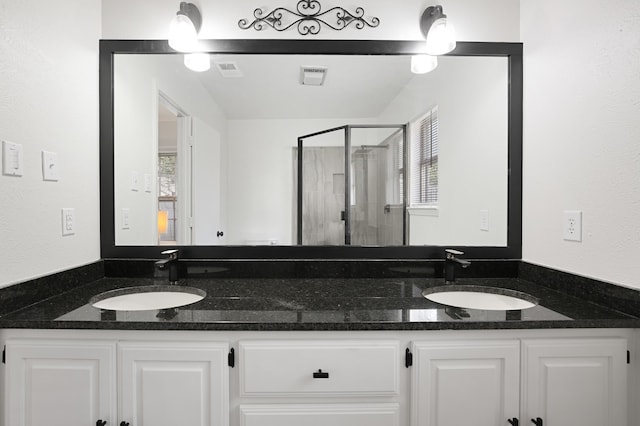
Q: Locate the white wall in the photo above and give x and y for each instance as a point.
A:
(581, 135)
(581, 88)
(475, 20)
(49, 101)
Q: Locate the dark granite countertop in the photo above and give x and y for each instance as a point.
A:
(315, 304)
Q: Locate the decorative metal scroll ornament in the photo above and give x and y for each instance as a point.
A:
(310, 18)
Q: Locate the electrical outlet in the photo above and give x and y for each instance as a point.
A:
(572, 225)
(68, 221)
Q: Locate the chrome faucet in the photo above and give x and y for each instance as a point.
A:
(170, 263)
(450, 262)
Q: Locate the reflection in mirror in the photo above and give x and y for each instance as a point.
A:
(235, 177)
(168, 217)
(362, 204)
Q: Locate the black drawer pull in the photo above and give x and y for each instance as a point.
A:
(537, 421)
(320, 375)
(513, 422)
(124, 423)
(101, 423)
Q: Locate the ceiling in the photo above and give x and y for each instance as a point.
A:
(270, 88)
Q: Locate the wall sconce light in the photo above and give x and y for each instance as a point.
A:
(422, 64)
(183, 31)
(438, 31)
(163, 221)
(198, 62)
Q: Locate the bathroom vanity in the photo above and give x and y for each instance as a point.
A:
(357, 351)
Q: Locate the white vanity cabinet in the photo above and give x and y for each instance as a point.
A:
(169, 383)
(319, 382)
(337, 378)
(79, 382)
(547, 382)
(60, 382)
(575, 382)
(465, 383)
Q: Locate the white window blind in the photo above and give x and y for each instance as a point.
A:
(424, 160)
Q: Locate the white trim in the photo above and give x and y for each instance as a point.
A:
(433, 211)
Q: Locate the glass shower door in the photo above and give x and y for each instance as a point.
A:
(376, 193)
(350, 186)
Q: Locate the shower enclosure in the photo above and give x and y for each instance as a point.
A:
(351, 186)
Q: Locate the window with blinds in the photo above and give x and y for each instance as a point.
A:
(424, 160)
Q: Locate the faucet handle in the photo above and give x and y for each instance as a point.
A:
(173, 254)
(451, 253)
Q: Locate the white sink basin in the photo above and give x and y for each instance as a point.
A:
(478, 297)
(145, 298)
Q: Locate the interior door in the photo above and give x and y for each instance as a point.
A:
(207, 198)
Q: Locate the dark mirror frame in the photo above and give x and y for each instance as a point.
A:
(512, 51)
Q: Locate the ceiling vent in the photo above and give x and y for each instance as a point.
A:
(312, 76)
(228, 69)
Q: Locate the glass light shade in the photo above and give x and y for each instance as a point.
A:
(441, 38)
(163, 221)
(183, 36)
(197, 61)
(422, 64)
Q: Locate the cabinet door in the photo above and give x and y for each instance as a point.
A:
(575, 382)
(169, 384)
(465, 383)
(60, 383)
(319, 415)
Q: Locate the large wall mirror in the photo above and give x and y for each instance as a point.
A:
(310, 149)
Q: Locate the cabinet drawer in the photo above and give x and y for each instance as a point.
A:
(325, 414)
(319, 368)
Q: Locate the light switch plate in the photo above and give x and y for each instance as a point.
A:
(68, 221)
(135, 181)
(12, 159)
(147, 182)
(126, 213)
(49, 166)
(484, 220)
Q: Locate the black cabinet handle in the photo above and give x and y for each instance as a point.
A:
(513, 422)
(220, 234)
(101, 423)
(320, 375)
(537, 421)
(124, 423)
